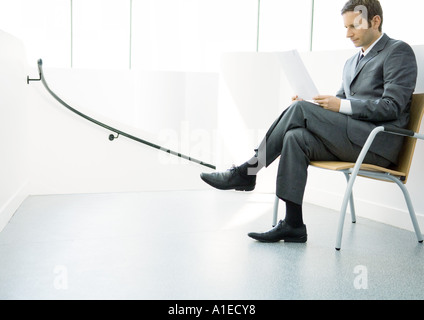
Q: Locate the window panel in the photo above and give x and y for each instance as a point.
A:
(402, 20)
(11, 17)
(101, 34)
(284, 25)
(190, 35)
(43, 26)
(329, 32)
(185, 35)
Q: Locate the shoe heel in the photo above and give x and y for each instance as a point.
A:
(297, 240)
(250, 188)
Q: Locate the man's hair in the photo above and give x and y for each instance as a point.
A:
(373, 7)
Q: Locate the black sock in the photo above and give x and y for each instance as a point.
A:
(294, 214)
(252, 163)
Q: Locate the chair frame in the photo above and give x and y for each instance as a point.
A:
(370, 171)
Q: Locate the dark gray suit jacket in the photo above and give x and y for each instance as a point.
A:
(380, 90)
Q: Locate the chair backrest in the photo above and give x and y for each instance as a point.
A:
(408, 148)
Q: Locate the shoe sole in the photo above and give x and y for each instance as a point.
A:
(302, 239)
(296, 240)
(244, 188)
(237, 188)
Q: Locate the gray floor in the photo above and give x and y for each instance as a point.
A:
(193, 245)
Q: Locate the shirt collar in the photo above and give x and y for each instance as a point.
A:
(371, 46)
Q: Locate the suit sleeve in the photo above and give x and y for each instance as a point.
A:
(341, 93)
(399, 74)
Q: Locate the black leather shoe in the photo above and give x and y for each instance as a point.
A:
(282, 231)
(230, 179)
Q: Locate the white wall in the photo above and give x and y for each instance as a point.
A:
(47, 149)
(71, 155)
(14, 175)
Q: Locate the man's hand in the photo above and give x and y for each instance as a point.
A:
(328, 102)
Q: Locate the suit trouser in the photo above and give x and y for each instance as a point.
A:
(305, 132)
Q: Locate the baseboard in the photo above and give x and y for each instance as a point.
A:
(375, 211)
(12, 204)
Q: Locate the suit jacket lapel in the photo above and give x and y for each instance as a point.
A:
(374, 51)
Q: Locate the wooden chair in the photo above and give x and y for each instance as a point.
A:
(398, 174)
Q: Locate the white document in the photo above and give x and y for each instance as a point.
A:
(297, 74)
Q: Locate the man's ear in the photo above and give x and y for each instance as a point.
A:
(376, 22)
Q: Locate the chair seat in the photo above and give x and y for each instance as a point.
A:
(340, 165)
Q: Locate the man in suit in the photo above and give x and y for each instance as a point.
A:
(377, 88)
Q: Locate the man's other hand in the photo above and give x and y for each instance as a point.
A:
(328, 102)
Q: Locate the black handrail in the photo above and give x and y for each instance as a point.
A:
(117, 131)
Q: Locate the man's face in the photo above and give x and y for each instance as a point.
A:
(358, 30)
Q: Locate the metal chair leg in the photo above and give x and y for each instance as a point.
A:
(410, 208)
(275, 216)
(351, 203)
(347, 196)
(353, 175)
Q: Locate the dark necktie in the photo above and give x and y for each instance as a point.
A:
(359, 58)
